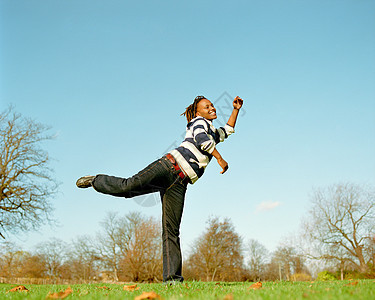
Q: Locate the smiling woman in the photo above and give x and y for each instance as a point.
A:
(206, 109)
(171, 174)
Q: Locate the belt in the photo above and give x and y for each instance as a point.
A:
(176, 166)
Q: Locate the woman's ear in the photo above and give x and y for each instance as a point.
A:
(197, 114)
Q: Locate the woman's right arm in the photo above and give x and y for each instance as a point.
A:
(220, 161)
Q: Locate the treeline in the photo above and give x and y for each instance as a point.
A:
(337, 235)
(125, 249)
(128, 248)
(220, 254)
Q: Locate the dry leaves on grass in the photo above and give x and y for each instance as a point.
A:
(147, 295)
(352, 283)
(218, 285)
(18, 288)
(103, 287)
(60, 295)
(130, 288)
(228, 297)
(256, 286)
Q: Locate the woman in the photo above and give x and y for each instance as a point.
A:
(171, 174)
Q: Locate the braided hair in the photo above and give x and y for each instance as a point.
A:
(191, 110)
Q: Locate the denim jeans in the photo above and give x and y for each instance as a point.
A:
(160, 176)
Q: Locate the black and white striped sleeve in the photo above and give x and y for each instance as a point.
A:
(225, 131)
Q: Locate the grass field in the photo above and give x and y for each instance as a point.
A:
(361, 289)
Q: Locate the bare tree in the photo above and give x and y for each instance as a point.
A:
(53, 253)
(82, 259)
(130, 247)
(33, 266)
(341, 223)
(288, 261)
(26, 182)
(15, 262)
(143, 259)
(217, 253)
(257, 255)
(108, 243)
(9, 259)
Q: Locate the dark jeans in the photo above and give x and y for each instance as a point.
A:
(160, 176)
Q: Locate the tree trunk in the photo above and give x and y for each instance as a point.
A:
(342, 264)
(363, 267)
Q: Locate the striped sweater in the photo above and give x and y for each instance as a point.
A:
(195, 152)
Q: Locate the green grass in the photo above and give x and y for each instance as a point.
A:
(364, 289)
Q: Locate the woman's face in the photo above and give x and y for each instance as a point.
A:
(206, 110)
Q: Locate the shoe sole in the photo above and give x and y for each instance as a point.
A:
(84, 182)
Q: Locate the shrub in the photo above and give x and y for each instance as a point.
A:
(325, 276)
(354, 275)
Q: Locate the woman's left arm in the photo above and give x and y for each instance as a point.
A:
(237, 104)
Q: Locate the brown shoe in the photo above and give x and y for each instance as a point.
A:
(85, 182)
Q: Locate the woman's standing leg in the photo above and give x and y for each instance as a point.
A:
(172, 207)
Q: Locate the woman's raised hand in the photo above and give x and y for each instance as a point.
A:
(237, 103)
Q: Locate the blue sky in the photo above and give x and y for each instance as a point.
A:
(113, 77)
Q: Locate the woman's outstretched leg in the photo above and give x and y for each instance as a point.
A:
(151, 179)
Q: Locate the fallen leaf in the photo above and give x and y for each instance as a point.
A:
(352, 283)
(103, 287)
(60, 295)
(18, 288)
(131, 288)
(256, 286)
(147, 295)
(228, 297)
